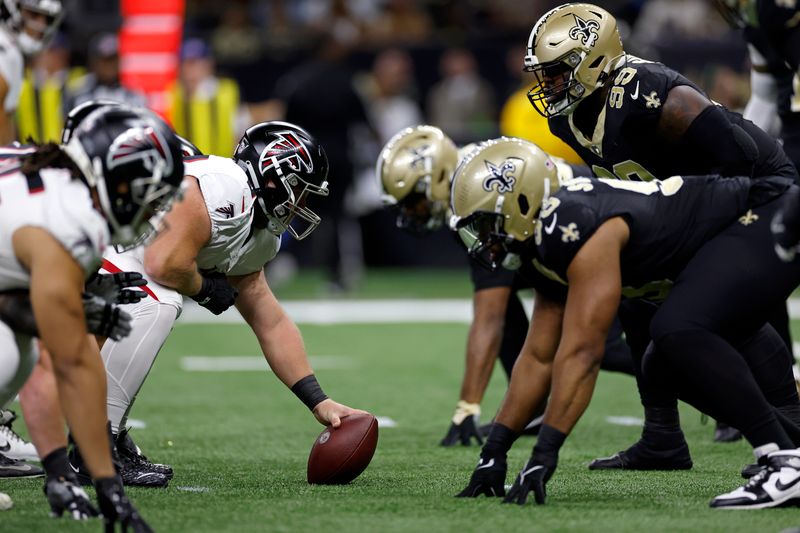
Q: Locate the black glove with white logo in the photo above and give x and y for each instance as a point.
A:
(117, 509)
(533, 477)
(216, 294)
(105, 319)
(67, 496)
(110, 287)
(488, 478)
(539, 468)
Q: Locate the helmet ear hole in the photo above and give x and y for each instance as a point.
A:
(524, 205)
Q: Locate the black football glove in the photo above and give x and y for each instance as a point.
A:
(216, 294)
(464, 426)
(533, 477)
(110, 287)
(66, 496)
(488, 479)
(17, 313)
(117, 509)
(105, 319)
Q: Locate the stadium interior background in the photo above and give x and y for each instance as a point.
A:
(454, 64)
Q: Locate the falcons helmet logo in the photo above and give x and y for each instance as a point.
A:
(286, 148)
(143, 144)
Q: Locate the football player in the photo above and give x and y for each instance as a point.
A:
(698, 247)
(26, 28)
(61, 207)
(633, 119)
(772, 32)
(220, 235)
(414, 171)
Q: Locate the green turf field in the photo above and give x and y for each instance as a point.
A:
(239, 442)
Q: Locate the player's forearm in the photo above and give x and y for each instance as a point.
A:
(483, 344)
(574, 376)
(181, 276)
(529, 386)
(284, 351)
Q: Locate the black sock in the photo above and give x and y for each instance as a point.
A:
(56, 465)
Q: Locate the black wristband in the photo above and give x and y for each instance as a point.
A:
(56, 465)
(499, 441)
(548, 445)
(309, 391)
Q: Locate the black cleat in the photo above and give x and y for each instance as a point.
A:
(641, 457)
(129, 453)
(132, 474)
(11, 468)
(726, 433)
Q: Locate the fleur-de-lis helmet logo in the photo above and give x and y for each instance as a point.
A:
(585, 31)
(500, 176)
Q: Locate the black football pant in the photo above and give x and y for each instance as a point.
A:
(711, 327)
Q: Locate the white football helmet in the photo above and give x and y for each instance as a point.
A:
(32, 23)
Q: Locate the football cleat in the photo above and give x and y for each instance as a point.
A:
(12, 468)
(18, 448)
(775, 485)
(130, 453)
(642, 457)
(726, 433)
(132, 474)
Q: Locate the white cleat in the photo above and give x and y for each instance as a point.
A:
(777, 484)
(12, 445)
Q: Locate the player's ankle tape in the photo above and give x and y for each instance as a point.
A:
(309, 391)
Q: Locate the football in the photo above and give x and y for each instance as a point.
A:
(340, 454)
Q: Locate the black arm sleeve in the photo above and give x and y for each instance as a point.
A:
(729, 148)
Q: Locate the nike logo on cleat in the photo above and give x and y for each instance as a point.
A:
(6, 447)
(21, 468)
(781, 486)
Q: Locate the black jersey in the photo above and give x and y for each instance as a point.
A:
(669, 221)
(623, 144)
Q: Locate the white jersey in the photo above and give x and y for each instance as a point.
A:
(235, 247)
(11, 69)
(57, 203)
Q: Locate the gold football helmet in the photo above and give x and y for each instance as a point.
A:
(414, 171)
(571, 51)
(496, 194)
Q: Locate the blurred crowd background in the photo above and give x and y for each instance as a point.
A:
(354, 72)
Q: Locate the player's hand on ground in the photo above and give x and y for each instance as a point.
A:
(464, 426)
(117, 509)
(488, 478)
(533, 477)
(330, 413)
(105, 319)
(216, 293)
(67, 497)
(110, 287)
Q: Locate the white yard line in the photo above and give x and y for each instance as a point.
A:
(326, 312)
(253, 363)
(625, 421)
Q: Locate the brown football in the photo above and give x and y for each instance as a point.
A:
(340, 454)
